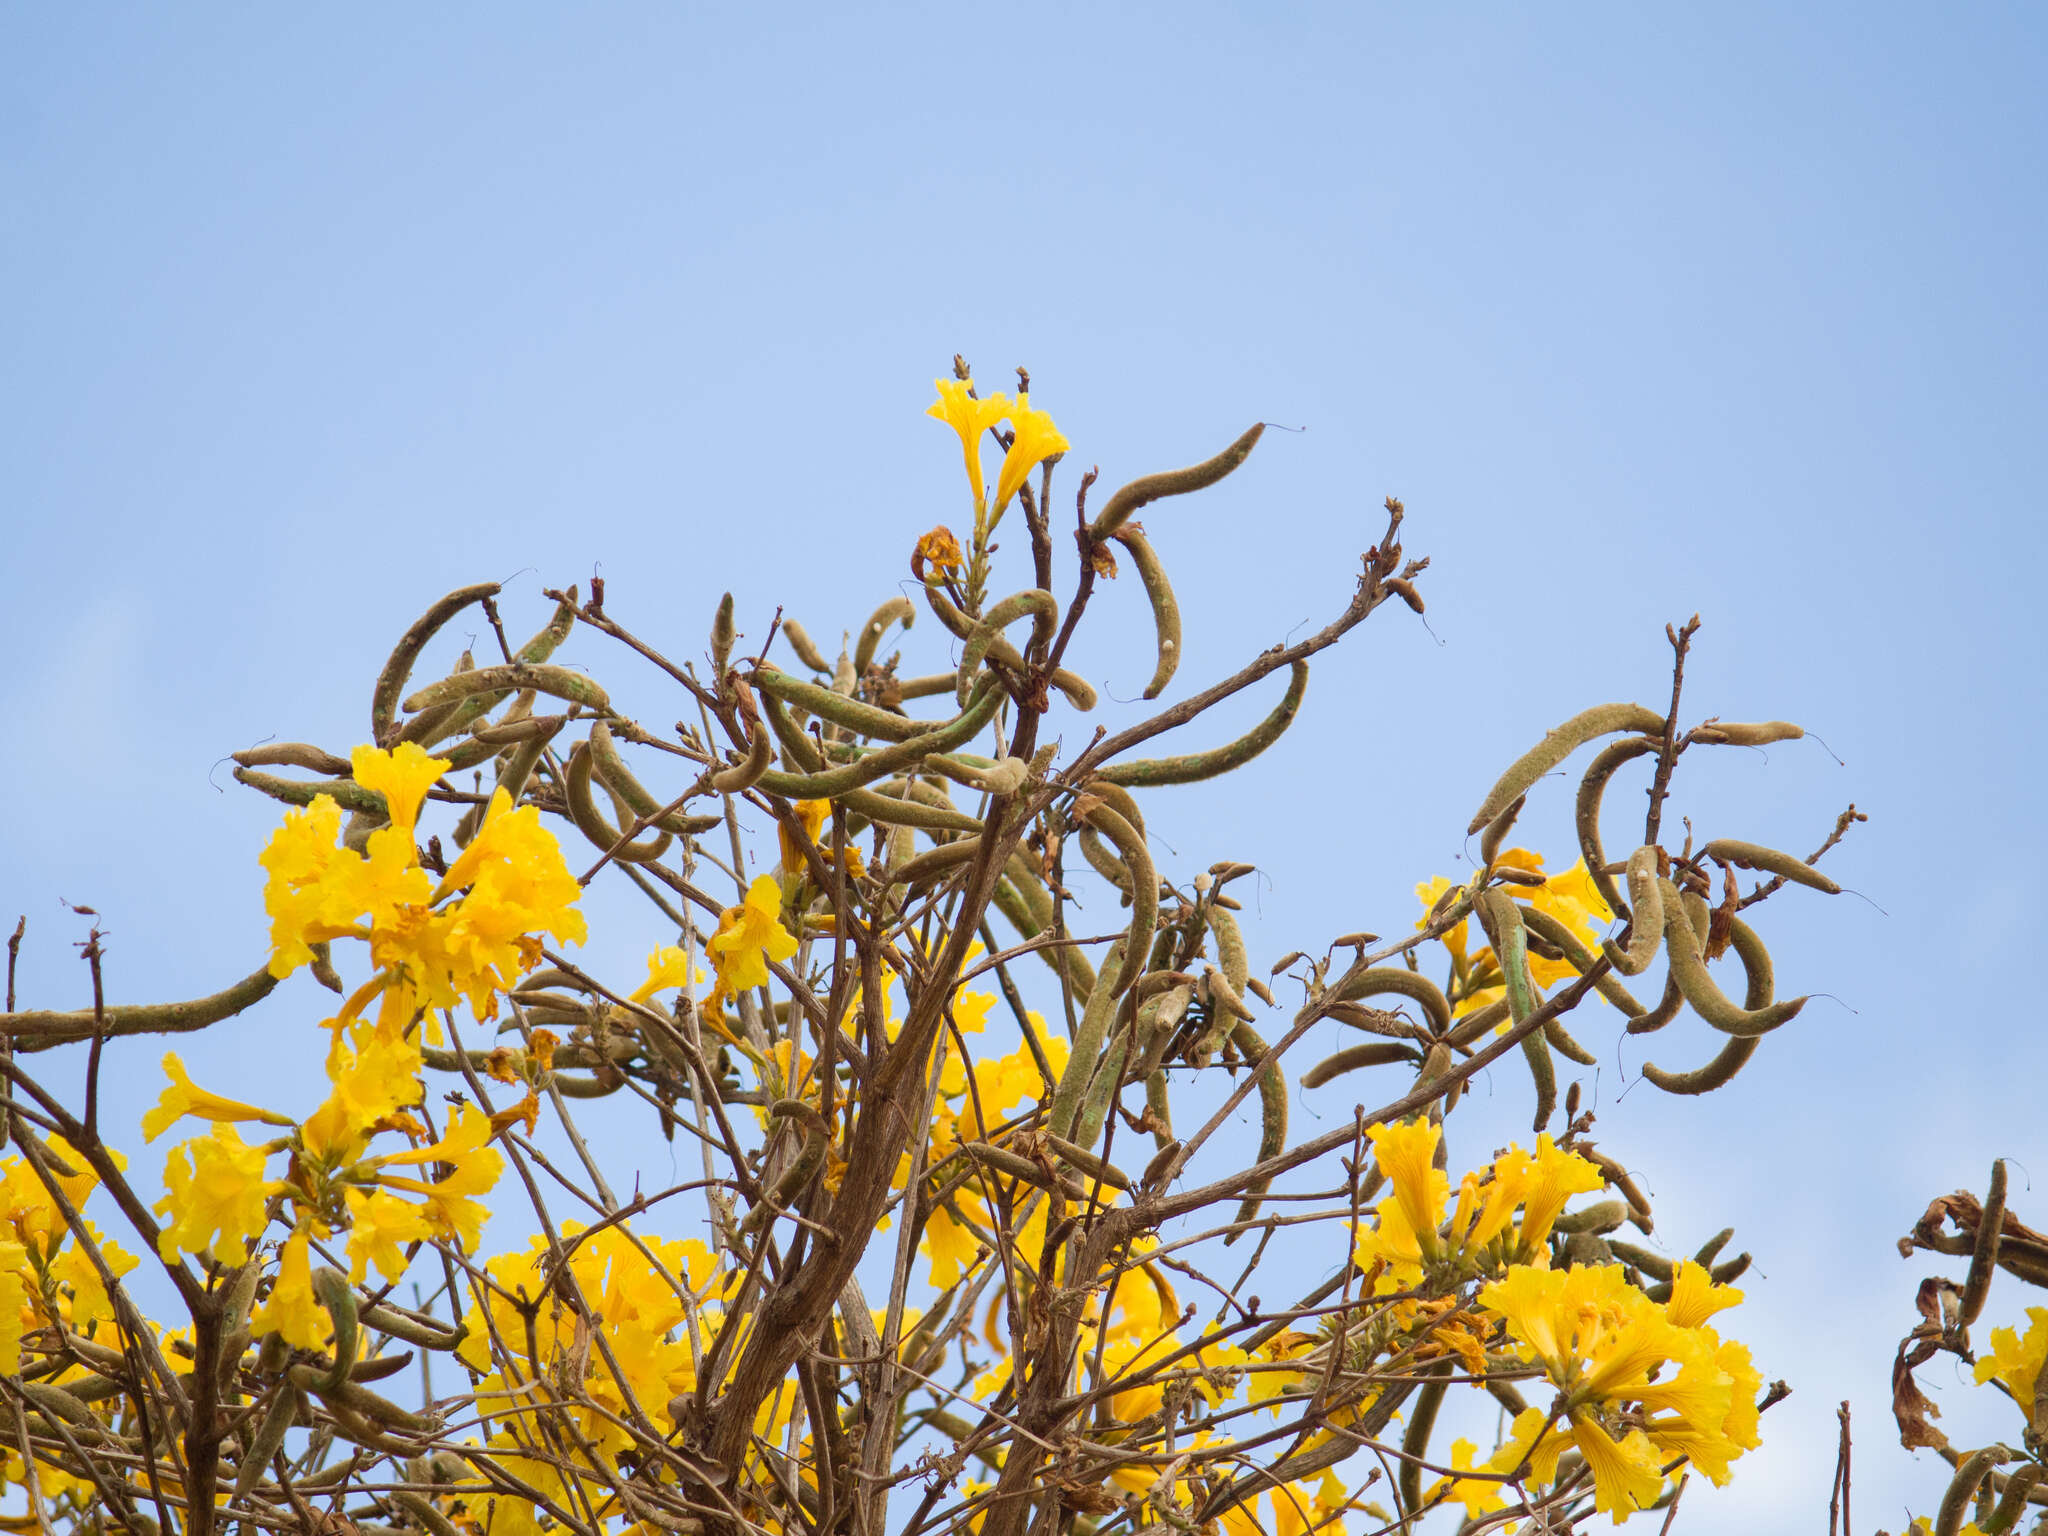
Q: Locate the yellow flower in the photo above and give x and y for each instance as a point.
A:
(958, 409)
(518, 887)
(181, 1098)
(749, 936)
(382, 1225)
(402, 776)
(666, 968)
(2015, 1361)
(939, 549)
(13, 1304)
(291, 1309)
(1406, 1154)
(1551, 1178)
(811, 815)
(303, 901)
(475, 1169)
(1626, 1474)
(1035, 440)
(1695, 1297)
(217, 1196)
(374, 1078)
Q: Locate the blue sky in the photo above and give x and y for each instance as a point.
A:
(314, 316)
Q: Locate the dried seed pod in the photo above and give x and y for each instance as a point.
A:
(1146, 773)
(1755, 856)
(559, 682)
(832, 783)
(897, 610)
(1497, 831)
(1984, 1256)
(1558, 744)
(1161, 1110)
(1230, 951)
(722, 636)
(1371, 1053)
(391, 681)
(1592, 788)
(1272, 1118)
(346, 793)
(1738, 733)
(806, 651)
(1144, 885)
(1165, 609)
(1173, 482)
(1155, 1170)
(294, 754)
(1376, 981)
(591, 821)
(1646, 916)
(1088, 1162)
(1689, 969)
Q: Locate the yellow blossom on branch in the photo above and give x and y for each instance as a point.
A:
(959, 409)
(749, 936)
(1034, 441)
(291, 1310)
(217, 1196)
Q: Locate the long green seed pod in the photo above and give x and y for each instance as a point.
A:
(1095, 1167)
(2013, 1502)
(865, 719)
(1171, 482)
(1655, 1265)
(414, 1327)
(723, 634)
(798, 1175)
(391, 681)
(1755, 856)
(1666, 1010)
(1230, 951)
(1272, 1119)
(1422, 1413)
(1119, 799)
(1497, 831)
(1477, 1023)
(832, 783)
(1558, 744)
(806, 649)
(1502, 918)
(1962, 1488)
(1089, 1035)
(1733, 1056)
(294, 754)
(1021, 898)
(1144, 892)
(1646, 916)
(286, 1403)
(592, 822)
(1582, 960)
(559, 682)
(466, 711)
(904, 812)
(1104, 861)
(611, 769)
(1602, 1217)
(747, 771)
(1984, 1256)
(897, 610)
(1165, 610)
(1146, 773)
(1378, 980)
(1161, 1106)
(1748, 733)
(1044, 610)
(432, 724)
(346, 793)
(36, 1029)
(934, 862)
(1592, 788)
(1373, 1053)
(334, 1292)
(1102, 1088)
(1689, 968)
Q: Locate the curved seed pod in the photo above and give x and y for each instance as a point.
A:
(511, 732)
(1502, 918)
(1581, 959)
(286, 1402)
(1144, 892)
(1697, 913)
(747, 772)
(723, 635)
(1077, 690)
(467, 710)
(1665, 1011)
(294, 754)
(1558, 744)
(1646, 916)
(1962, 1488)
(432, 725)
(414, 1327)
(1044, 610)
(1732, 1269)
(806, 650)
(1373, 1053)
(1688, 967)
(1104, 862)
(2013, 1502)
(391, 681)
(934, 862)
(346, 793)
(790, 1187)
(1161, 1107)
(1230, 951)
(332, 1289)
(1732, 1057)
(798, 750)
(832, 783)
(866, 719)
(1477, 1023)
(1069, 963)
(1497, 831)
(591, 821)
(1619, 1178)
(35, 1029)
(1601, 1217)
(1742, 733)
(930, 686)
(1144, 773)
(1119, 799)
(1754, 856)
(1165, 610)
(1655, 1265)
(1592, 788)
(1095, 1167)
(558, 682)
(1562, 1042)
(903, 812)
(1089, 1035)
(1172, 482)
(1378, 980)
(1102, 1087)
(1422, 1411)
(897, 610)
(1272, 1117)
(1984, 1256)
(519, 766)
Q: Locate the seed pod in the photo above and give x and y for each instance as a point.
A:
(1646, 919)
(1497, 831)
(2019, 1484)
(1119, 799)
(1173, 482)
(1272, 1118)
(1165, 610)
(466, 710)
(1502, 918)
(797, 1176)
(1689, 969)
(1230, 951)
(1738, 733)
(1146, 773)
(286, 1404)
(1044, 610)
(1600, 1217)
(1477, 1023)
(1372, 1053)
(1575, 954)
(391, 681)
(1144, 892)
(1655, 1265)
(559, 682)
(1089, 1034)
(935, 862)
(747, 772)
(1161, 1110)
(865, 719)
(1558, 744)
(1422, 1411)
(1984, 1255)
(1376, 981)
(1729, 1271)
(1754, 856)
(1732, 1057)
(333, 1291)
(832, 783)
(346, 793)
(1156, 1169)
(897, 610)
(294, 754)
(1619, 1178)
(1592, 788)
(806, 651)
(722, 636)
(591, 821)
(413, 1327)
(1962, 1488)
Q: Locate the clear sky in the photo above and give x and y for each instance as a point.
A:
(313, 315)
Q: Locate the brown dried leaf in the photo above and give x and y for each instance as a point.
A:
(1721, 925)
(1910, 1406)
